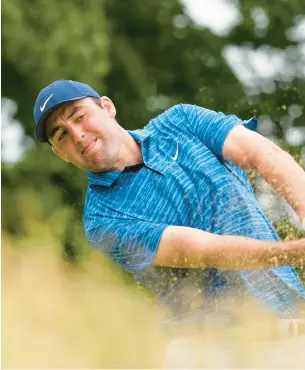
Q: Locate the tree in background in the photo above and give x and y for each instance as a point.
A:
(147, 56)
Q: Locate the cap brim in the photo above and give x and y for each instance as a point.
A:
(40, 127)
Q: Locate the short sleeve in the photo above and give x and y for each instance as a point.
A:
(131, 243)
(212, 128)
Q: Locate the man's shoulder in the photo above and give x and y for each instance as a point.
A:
(179, 108)
(90, 202)
(94, 212)
(175, 112)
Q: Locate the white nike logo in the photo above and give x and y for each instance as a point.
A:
(176, 155)
(45, 103)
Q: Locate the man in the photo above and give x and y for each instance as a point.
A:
(171, 203)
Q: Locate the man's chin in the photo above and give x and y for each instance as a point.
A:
(94, 168)
(97, 165)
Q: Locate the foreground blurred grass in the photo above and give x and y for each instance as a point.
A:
(55, 315)
(58, 315)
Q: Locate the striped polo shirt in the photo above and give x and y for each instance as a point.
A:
(184, 181)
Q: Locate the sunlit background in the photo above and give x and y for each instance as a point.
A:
(255, 67)
(241, 57)
(261, 67)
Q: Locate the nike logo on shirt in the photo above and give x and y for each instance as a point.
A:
(176, 155)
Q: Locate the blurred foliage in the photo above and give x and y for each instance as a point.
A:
(145, 55)
(47, 40)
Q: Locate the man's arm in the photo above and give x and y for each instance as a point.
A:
(249, 150)
(184, 247)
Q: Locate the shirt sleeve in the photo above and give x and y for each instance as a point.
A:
(212, 128)
(131, 243)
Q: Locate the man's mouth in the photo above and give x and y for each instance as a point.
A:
(89, 146)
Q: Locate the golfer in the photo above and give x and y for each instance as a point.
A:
(171, 203)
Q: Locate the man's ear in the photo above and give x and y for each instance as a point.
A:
(108, 105)
(63, 157)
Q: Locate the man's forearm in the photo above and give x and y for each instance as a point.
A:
(284, 174)
(239, 253)
(184, 247)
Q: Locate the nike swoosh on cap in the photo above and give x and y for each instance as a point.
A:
(42, 107)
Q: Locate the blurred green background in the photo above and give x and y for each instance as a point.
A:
(242, 57)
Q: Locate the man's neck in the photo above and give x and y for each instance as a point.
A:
(130, 153)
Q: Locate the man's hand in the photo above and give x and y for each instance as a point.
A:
(249, 150)
(185, 247)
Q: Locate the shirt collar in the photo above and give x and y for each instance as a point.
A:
(108, 178)
(102, 178)
(140, 135)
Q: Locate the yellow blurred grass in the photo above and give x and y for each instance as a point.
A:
(55, 315)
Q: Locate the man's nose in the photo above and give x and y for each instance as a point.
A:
(77, 134)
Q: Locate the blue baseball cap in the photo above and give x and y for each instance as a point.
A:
(52, 96)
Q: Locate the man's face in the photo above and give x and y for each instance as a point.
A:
(84, 134)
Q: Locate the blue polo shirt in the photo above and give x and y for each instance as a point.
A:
(184, 181)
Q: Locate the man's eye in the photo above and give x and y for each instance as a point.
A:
(79, 118)
(62, 135)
